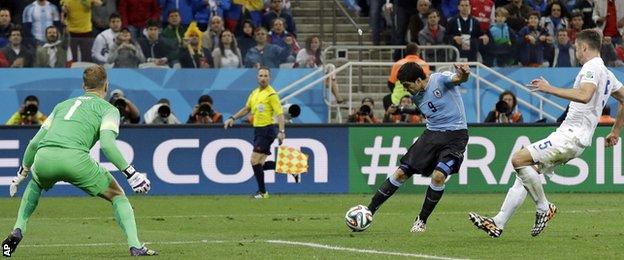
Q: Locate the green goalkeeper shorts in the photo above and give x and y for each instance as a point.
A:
(54, 164)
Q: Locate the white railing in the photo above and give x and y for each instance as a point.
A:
(451, 52)
(476, 74)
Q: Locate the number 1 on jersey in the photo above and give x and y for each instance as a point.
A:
(72, 110)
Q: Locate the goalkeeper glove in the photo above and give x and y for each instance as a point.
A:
(138, 181)
(22, 173)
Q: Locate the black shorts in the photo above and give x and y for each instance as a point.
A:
(263, 138)
(433, 147)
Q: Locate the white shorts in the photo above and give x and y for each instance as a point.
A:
(556, 149)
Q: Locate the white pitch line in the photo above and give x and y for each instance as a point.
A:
(575, 211)
(205, 241)
(365, 251)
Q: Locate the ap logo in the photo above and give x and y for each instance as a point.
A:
(6, 250)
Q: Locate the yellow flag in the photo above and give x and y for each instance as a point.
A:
(291, 161)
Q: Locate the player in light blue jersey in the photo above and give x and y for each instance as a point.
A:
(438, 152)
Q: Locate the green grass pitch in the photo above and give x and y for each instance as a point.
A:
(588, 226)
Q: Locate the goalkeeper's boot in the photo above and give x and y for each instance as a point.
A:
(261, 195)
(419, 226)
(143, 251)
(486, 224)
(10, 243)
(542, 219)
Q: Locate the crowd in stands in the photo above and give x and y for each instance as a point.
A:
(530, 33)
(148, 33)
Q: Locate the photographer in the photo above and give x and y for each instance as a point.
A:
(504, 110)
(128, 112)
(203, 112)
(405, 112)
(28, 114)
(364, 115)
(161, 114)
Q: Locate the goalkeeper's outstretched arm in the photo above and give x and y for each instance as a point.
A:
(107, 143)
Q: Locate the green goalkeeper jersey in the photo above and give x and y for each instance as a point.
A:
(76, 123)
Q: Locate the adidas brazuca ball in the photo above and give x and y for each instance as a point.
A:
(359, 218)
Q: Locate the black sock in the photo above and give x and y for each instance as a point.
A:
(431, 200)
(259, 174)
(384, 192)
(268, 165)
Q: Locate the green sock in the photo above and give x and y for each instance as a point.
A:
(125, 218)
(30, 199)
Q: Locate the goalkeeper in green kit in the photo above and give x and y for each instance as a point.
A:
(60, 152)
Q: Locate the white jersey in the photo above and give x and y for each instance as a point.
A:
(582, 119)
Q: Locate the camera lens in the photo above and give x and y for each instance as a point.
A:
(364, 110)
(31, 109)
(164, 111)
(205, 110)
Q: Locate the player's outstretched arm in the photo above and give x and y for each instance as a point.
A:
(614, 135)
(241, 113)
(138, 181)
(582, 94)
(29, 158)
(462, 73)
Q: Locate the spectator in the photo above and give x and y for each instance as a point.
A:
(207, 9)
(563, 54)
(405, 112)
(609, 54)
(609, 17)
(246, 39)
(465, 33)
(278, 35)
(16, 53)
(174, 30)
(503, 38)
(184, 10)
(36, 18)
(374, 20)
(204, 113)
(576, 25)
(411, 55)
(28, 114)
(539, 6)
(135, 14)
(532, 40)
(5, 26)
(606, 117)
(518, 14)
(266, 54)
(433, 34)
(504, 112)
(106, 39)
(127, 110)
(126, 52)
(276, 12)
(3, 61)
(252, 9)
(193, 55)
(449, 8)
(211, 37)
(365, 114)
(310, 57)
(404, 11)
(53, 54)
(227, 54)
(482, 10)
(77, 17)
(554, 19)
(101, 16)
(161, 114)
(157, 49)
(586, 8)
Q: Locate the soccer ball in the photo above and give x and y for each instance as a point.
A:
(358, 218)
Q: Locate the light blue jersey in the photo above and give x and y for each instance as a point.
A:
(442, 104)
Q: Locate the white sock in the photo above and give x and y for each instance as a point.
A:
(514, 199)
(533, 184)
